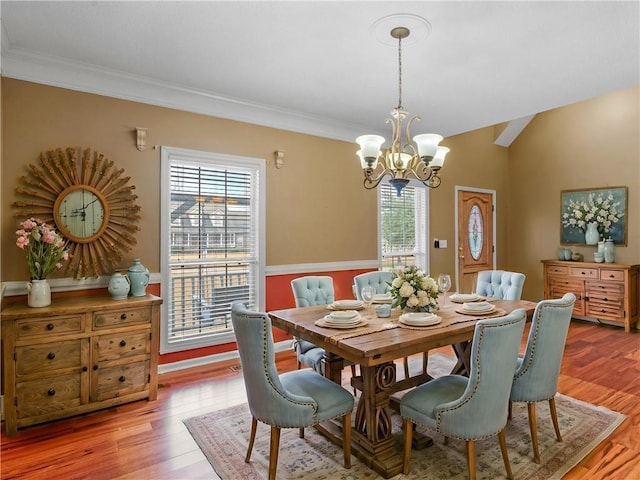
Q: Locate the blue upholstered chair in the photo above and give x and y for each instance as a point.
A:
(470, 408)
(308, 291)
(536, 377)
(500, 284)
(379, 280)
(297, 399)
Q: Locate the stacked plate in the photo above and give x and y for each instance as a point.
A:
(465, 297)
(347, 305)
(477, 308)
(420, 319)
(343, 319)
(382, 298)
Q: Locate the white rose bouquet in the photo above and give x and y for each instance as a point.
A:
(411, 288)
(602, 210)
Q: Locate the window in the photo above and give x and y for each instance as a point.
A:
(403, 230)
(212, 244)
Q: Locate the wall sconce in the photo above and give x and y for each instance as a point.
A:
(279, 156)
(141, 138)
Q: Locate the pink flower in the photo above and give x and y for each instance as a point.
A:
(22, 241)
(45, 248)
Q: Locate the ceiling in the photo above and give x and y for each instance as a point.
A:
(315, 67)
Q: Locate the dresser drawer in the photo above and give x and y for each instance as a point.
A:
(591, 273)
(47, 327)
(557, 270)
(48, 395)
(608, 310)
(120, 380)
(119, 318)
(121, 345)
(49, 357)
(617, 275)
(605, 289)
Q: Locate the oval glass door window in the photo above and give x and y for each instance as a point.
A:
(476, 227)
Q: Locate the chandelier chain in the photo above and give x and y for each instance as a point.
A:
(399, 72)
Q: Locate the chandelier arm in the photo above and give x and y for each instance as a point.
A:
(371, 182)
(411, 120)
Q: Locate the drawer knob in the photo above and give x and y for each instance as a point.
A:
(122, 379)
(51, 392)
(123, 316)
(51, 356)
(612, 276)
(123, 343)
(84, 369)
(605, 299)
(50, 326)
(95, 367)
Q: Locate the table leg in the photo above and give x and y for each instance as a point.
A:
(463, 353)
(372, 435)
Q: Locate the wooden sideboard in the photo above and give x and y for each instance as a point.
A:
(78, 355)
(604, 291)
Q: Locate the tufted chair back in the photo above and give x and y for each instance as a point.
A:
(313, 290)
(380, 281)
(536, 377)
(500, 284)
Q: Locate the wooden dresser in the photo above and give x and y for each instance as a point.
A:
(78, 355)
(604, 291)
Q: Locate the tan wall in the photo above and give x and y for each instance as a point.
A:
(591, 144)
(316, 209)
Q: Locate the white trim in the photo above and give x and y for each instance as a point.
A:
(512, 130)
(89, 78)
(300, 268)
(216, 357)
(457, 189)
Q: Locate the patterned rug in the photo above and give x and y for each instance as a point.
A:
(223, 437)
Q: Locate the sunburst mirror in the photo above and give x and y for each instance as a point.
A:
(90, 203)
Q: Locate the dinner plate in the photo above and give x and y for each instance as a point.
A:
(347, 305)
(465, 297)
(478, 306)
(323, 322)
(344, 315)
(476, 312)
(426, 320)
(382, 298)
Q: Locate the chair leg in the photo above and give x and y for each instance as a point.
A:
(510, 410)
(274, 445)
(554, 417)
(471, 459)
(346, 439)
(252, 437)
(407, 428)
(502, 437)
(301, 432)
(531, 407)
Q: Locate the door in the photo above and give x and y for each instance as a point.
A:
(475, 236)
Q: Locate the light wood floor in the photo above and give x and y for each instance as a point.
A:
(147, 440)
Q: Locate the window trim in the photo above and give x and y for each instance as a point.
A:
(167, 155)
(426, 267)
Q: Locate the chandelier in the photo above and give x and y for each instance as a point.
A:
(402, 160)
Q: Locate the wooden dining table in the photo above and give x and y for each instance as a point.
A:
(375, 346)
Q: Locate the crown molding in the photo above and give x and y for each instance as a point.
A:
(88, 78)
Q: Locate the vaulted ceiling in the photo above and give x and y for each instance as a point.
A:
(317, 67)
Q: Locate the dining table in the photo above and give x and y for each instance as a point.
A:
(376, 344)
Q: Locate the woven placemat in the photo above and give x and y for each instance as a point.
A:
(449, 319)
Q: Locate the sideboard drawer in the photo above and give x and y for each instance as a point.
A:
(121, 345)
(48, 395)
(584, 272)
(29, 328)
(119, 318)
(48, 357)
(120, 380)
(557, 270)
(617, 275)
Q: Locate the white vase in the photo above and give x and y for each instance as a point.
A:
(38, 293)
(591, 236)
(119, 286)
(609, 251)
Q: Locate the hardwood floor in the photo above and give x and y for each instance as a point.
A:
(147, 440)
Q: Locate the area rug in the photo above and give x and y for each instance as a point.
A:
(223, 436)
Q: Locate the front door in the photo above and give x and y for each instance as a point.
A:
(475, 236)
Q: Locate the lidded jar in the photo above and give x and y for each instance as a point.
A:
(609, 251)
(139, 277)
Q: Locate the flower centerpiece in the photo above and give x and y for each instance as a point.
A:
(599, 209)
(412, 289)
(45, 248)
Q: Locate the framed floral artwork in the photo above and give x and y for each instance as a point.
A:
(606, 207)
